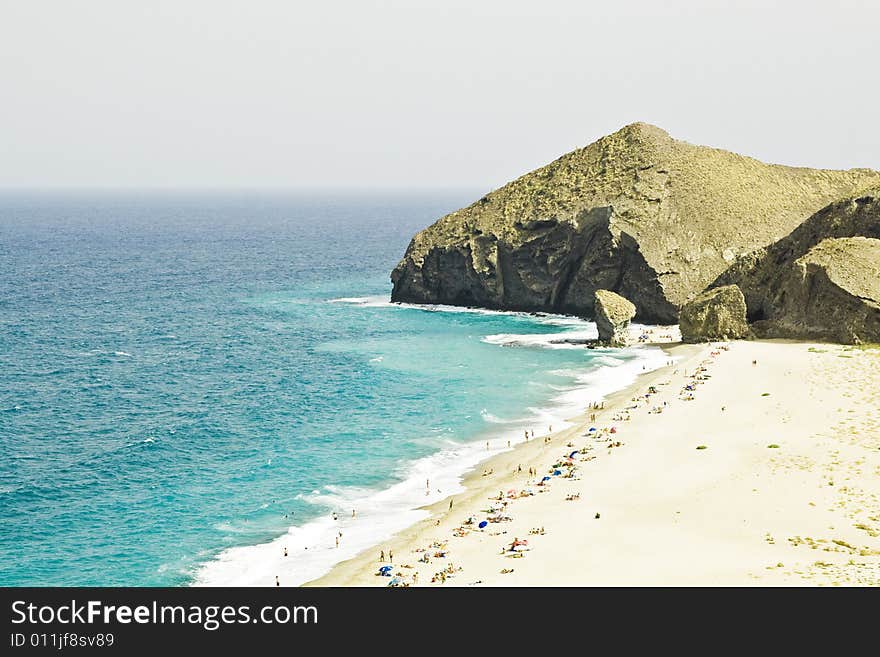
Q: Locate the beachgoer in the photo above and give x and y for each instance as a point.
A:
(381, 556)
(450, 504)
(277, 583)
(390, 557)
(337, 541)
(285, 552)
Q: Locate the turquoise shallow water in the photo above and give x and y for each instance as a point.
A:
(182, 375)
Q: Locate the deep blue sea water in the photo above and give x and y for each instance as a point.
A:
(189, 381)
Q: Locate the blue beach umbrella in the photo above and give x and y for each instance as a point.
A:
(557, 472)
(592, 429)
(386, 569)
(546, 478)
(482, 524)
(571, 456)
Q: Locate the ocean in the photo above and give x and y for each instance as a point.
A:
(189, 382)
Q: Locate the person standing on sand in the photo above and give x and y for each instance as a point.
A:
(337, 541)
(285, 552)
(277, 583)
(390, 556)
(381, 556)
(450, 504)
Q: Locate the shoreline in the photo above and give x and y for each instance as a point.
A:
(524, 453)
(385, 512)
(730, 488)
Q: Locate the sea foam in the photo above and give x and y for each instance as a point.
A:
(311, 546)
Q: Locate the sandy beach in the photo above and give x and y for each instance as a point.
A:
(765, 472)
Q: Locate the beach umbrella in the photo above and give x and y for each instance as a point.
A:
(557, 472)
(592, 429)
(613, 429)
(482, 524)
(546, 478)
(385, 569)
(571, 456)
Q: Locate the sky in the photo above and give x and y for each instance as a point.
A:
(416, 94)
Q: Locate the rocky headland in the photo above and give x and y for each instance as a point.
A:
(638, 213)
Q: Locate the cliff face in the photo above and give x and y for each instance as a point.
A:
(822, 281)
(653, 219)
(757, 273)
(830, 293)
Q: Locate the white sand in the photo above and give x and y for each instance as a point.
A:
(735, 513)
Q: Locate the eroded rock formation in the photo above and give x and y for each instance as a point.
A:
(717, 314)
(613, 314)
(637, 212)
(757, 274)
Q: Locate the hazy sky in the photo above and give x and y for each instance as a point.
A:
(345, 93)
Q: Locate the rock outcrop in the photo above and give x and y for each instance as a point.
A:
(637, 212)
(758, 273)
(613, 314)
(831, 293)
(717, 314)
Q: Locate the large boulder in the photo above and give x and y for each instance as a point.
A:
(613, 314)
(717, 314)
(637, 212)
